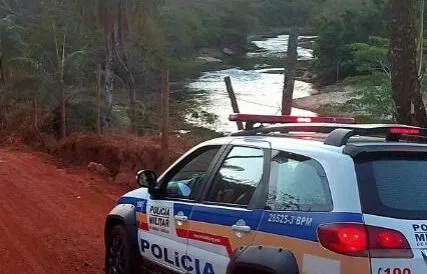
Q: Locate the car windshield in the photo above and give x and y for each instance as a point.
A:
(394, 185)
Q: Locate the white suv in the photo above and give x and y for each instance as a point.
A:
(304, 197)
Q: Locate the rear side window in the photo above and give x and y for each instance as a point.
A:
(393, 184)
(297, 183)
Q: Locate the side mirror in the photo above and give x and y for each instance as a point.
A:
(146, 178)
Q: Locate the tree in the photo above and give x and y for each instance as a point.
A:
(299, 14)
(370, 57)
(113, 17)
(11, 45)
(339, 25)
(63, 61)
(291, 61)
(420, 7)
(372, 87)
(290, 70)
(402, 54)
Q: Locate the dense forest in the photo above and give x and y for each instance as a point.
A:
(52, 52)
(57, 56)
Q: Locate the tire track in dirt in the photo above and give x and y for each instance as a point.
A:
(51, 219)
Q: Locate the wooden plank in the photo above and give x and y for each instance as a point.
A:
(233, 99)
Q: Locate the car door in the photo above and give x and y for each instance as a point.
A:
(298, 201)
(228, 214)
(163, 240)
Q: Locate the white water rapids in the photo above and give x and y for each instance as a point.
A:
(258, 91)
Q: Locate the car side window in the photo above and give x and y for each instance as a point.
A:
(297, 183)
(238, 177)
(187, 181)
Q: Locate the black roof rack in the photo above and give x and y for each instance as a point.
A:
(340, 134)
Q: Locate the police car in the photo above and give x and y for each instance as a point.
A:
(297, 196)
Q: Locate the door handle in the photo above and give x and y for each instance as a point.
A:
(241, 228)
(181, 218)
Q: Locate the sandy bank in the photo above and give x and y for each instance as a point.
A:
(328, 95)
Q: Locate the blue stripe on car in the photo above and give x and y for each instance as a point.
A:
(140, 204)
(274, 222)
(301, 230)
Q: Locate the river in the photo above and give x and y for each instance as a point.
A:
(258, 91)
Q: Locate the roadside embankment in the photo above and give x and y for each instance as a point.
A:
(121, 155)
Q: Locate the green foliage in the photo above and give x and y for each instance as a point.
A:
(152, 42)
(11, 42)
(194, 24)
(153, 32)
(284, 13)
(341, 25)
(371, 83)
(372, 95)
(81, 116)
(330, 50)
(371, 56)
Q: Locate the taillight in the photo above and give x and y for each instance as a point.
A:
(388, 243)
(348, 239)
(359, 240)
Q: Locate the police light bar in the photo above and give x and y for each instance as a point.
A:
(405, 131)
(282, 119)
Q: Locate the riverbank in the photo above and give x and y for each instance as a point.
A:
(321, 101)
(274, 32)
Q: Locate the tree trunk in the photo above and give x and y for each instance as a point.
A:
(108, 78)
(421, 40)
(403, 64)
(98, 102)
(120, 51)
(130, 81)
(61, 80)
(2, 73)
(290, 71)
(63, 113)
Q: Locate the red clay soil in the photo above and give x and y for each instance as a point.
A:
(51, 218)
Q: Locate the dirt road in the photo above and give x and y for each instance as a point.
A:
(51, 219)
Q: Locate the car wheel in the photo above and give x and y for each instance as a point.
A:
(118, 252)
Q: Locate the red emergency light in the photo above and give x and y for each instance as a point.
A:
(283, 119)
(405, 131)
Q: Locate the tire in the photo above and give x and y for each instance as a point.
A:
(245, 270)
(118, 253)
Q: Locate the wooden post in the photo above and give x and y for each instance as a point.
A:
(233, 99)
(36, 116)
(165, 115)
(98, 102)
